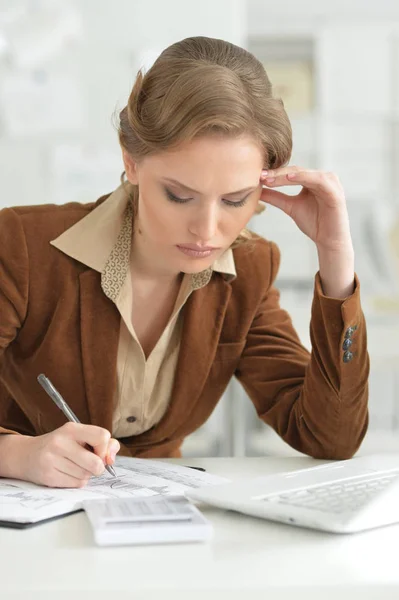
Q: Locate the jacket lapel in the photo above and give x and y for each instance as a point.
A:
(204, 314)
(100, 324)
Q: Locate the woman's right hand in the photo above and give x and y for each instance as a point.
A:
(61, 458)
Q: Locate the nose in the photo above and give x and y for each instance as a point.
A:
(204, 223)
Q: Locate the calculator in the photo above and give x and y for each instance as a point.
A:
(146, 520)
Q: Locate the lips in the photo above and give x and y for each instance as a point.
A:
(194, 253)
(197, 248)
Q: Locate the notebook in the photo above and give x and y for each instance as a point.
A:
(23, 504)
(341, 497)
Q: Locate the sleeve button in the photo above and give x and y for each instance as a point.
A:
(347, 344)
(347, 356)
(350, 331)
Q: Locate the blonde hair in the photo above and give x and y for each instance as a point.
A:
(201, 86)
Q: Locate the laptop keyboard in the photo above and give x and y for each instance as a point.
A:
(336, 497)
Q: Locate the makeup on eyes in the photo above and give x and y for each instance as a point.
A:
(236, 203)
(191, 190)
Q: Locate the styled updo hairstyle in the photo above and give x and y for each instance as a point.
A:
(201, 86)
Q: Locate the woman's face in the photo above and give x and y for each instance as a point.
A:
(194, 201)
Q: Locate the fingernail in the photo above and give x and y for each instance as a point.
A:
(110, 458)
(270, 179)
(264, 174)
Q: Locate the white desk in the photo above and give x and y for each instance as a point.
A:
(248, 558)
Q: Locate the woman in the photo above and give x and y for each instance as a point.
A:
(141, 307)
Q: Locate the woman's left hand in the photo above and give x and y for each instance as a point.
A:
(319, 210)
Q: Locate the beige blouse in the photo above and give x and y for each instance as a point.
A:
(102, 241)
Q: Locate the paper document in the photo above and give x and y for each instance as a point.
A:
(24, 502)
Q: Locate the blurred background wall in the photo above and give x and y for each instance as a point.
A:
(67, 67)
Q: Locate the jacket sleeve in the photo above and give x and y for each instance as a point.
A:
(14, 283)
(316, 402)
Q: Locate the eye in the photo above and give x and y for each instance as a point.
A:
(237, 203)
(174, 198)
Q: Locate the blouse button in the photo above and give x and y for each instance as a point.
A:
(131, 419)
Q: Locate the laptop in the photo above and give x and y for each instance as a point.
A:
(341, 496)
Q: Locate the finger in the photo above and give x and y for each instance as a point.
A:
(63, 480)
(113, 449)
(314, 180)
(318, 181)
(84, 458)
(96, 437)
(281, 171)
(278, 199)
(68, 467)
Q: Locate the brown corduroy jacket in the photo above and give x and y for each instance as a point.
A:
(55, 319)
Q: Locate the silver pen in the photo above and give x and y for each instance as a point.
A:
(62, 405)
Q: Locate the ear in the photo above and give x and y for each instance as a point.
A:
(130, 167)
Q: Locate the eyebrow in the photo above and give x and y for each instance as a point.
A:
(188, 189)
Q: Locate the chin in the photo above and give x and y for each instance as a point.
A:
(191, 269)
